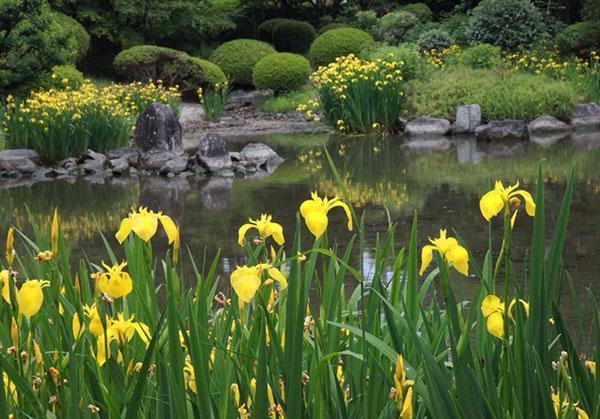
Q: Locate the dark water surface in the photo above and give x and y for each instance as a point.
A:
(386, 179)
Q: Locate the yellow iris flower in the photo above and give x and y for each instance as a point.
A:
(504, 198)
(122, 330)
(246, 280)
(144, 224)
(402, 390)
(189, 377)
(10, 240)
(450, 251)
(5, 284)
(265, 227)
(114, 281)
(314, 211)
(30, 296)
(493, 310)
(561, 408)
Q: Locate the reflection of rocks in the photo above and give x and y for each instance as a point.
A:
(502, 129)
(427, 125)
(548, 140)
(157, 128)
(467, 151)
(427, 143)
(165, 194)
(504, 149)
(468, 118)
(19, 160)
(586, 116)
(586, 140)
(215, 193)
(547, 131)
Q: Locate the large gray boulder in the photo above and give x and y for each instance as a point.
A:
(260, 155)
(19, 160)
(586, 116)
(158, 128)
(176, 165)
(92, 162)
(468, 118)
(427, 125)
(212, 153)
(502, 129)
(154, 160)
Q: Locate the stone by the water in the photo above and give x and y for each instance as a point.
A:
(158, 128)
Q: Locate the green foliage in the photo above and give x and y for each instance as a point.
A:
(213, 101)
(366, 20)
(62, 76)
(266, 29)
(393, 25)
(337, 43)
(293, 36)
(434, 39)
(591, 10)
(481, 56)
(456, 24)
(78, 40)
(413, 62)
(237, 58)
(579, 38)
(288, 101)
(281, 71)
(149, 62)
(508, 24)
(420, 10)
(501, 94)
(332, 25)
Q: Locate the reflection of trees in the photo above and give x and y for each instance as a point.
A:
(83, 207)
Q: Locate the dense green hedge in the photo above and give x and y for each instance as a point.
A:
(336, 43)
(293, 36)
(237, 58)
(579, 38)
(150, 62)
(408, 54)
(266, 29)
(434, 39)
(420, 10)
(77, 39)
(281, 71)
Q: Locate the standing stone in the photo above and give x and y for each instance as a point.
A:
(212, 153)
(468, 117)
(158, 128)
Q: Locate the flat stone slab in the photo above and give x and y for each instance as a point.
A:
(19, 160)
(427, 125)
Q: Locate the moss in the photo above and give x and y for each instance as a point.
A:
(281, 71)
(237, 58)
(336, 43)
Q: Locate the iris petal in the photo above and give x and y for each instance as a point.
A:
(495, 324)
(145, 226)
(242, 232)
(490, 304)
(170, 227)
(426, 256)
(529, 204)
(459, 257)
(124, 230)
(317, 222)
(491, 204)
(245, 281)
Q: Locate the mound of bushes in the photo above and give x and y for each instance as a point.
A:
(501, 94)
(62, 76)
(150, 62)
(408, 54)
(266, 29)
(237, 58)
(336, 43)
(579, 38)
(332, 25)
(508, 24)
(434, 39)
(281, 71)
(393, 25)
(420, 10)
(293, 36)
(77, 39)
(481, 56)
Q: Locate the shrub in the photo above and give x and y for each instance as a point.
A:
(408, 54)
(393, 25)
(435, 39)
(237, 58)
(213, 101)
(149, 62)
(332, 25)
(501, 94)
(281, 71)
(63, 123)
(360, 96)
(337, 43)
(591, 10)
(506, 23)
(579, 38)
(481, 56)
(288, 101)
(366, 20)
(293, 36)
(420, 10)
(456, 25)
(266, 29)
(77, 39)
(63, 76)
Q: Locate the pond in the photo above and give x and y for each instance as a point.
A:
(387, 180)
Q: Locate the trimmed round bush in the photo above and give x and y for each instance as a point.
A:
(393, 25)
(407, 53)
(293, 36)
(579, 38)
(63, 76)
(481, 56)
(437, 39)
(337, 43)
(77, 39)
(420, 10)
(237, 58)
(332, 25)
(508, 24)
(281, 71)
(266, 29)
(190, 72)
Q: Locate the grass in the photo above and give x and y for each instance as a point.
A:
(327, 345)
(501, 94)
(289, 101)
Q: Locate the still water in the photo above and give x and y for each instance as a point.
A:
(387, 180)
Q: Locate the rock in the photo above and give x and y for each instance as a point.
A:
(119, 166)
(586, 140)
(547, 125)
(260, 155)
(401, 124)
(240, 98)
(235, 155)
(67, 164)
(92, 162)
(428, 143)
(19, 160)
(586, 116)
(154, 160)
(157, 128)
(426, 125)
(190, 113)
(131, 154)
(43, 173)
(175, 166)
(468, 118)
(502, 129)
(215, 194)
(212, 153)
